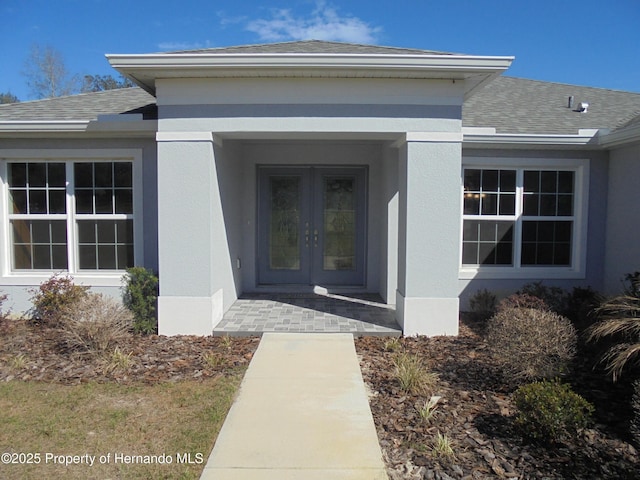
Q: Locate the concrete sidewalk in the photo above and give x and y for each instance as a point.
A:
(301, 413)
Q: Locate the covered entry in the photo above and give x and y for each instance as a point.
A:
(312, 225)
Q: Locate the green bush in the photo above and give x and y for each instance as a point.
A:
(550, 411)
(140, 295)
(555, 297)
(52, 297)
(581, 305)
(632, 285)
(483, 304)
(530, 344)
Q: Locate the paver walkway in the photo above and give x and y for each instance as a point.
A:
(254, 314)
(301, 413)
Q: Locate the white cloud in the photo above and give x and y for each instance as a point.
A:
(324, 23)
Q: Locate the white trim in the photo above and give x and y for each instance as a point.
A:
(427, 137)
(577, 270)
(94, 278)
(488, 138)
(427, 316)
(184, 137)
(621, 136)
(122, 126)
(144, 69)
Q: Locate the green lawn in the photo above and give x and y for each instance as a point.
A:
(176, 422)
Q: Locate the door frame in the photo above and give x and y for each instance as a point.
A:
(310, 273)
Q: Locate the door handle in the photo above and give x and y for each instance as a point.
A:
(315, 238)
(306, 238)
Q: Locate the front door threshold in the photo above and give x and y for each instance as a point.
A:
(315, 289)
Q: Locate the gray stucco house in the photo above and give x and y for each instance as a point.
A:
(420, 176)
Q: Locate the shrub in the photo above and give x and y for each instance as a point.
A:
(581, 305)
(554, 297)
(3, 315)
(619, 323)
(550, 410)
(412, 375)
(53, 297)
(95, 324)
(530, 344)
(632, 285)
(635, 405)
(483, 304)
(522, 300)
(140, 295)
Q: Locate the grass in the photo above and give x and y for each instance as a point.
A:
(171, 419)
(412, 375)
(442, 447)
(428, 410)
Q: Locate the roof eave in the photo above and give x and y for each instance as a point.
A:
(144, 69)
(126, 128)
(621, 137)
(474, 137)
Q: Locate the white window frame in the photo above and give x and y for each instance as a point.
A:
(69, 157)
(576, 269)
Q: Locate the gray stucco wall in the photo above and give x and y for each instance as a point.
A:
(596, 229)
(623, 217)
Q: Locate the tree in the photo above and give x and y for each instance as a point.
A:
(8, 97)
(47, 75)
(98, 83)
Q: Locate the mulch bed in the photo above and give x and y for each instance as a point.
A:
(475, 411)
(153, 358)
(476, 414)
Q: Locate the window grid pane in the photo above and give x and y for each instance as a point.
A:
(485, 242)
(37, 188)
(105, 244)
(39, 244)
(103, 188)
(548, 193)
(489, 192)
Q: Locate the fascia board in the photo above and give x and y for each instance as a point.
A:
(449, 62)
(52, 127)
(488, 140)
(145, 68)
(621, 137)
(27, 126)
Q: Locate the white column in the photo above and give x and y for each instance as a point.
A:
(189, 223)
(429, 233)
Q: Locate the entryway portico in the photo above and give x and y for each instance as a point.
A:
(387, 120)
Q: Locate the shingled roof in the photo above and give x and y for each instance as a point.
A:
(314, 46)
(510, 105)
(85, 106)
(516, 105)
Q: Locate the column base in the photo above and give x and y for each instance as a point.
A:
(427, 316)
(189, 315)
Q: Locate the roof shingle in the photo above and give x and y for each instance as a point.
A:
(516, 105)
(85, 106)
(314, 46)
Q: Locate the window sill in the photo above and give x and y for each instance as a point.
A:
(528, 273)
(93, 279)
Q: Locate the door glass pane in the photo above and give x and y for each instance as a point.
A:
(284, 227)
(339, 222)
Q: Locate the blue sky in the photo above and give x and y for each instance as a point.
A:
(583, 42)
